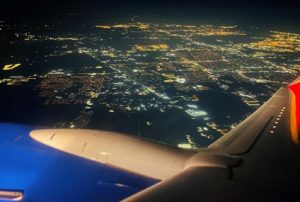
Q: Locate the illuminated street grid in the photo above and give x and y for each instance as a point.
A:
(141, 67)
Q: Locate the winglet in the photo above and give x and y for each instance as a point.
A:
(294, 88)
(295, 82)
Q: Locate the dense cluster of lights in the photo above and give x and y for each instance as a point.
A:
(147, 66)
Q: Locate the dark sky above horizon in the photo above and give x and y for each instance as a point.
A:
(48, 7)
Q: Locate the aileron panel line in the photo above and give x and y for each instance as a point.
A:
(241, 139)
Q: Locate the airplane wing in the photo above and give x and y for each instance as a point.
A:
(258, 160)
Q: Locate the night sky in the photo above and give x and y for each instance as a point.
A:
(54, 7)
